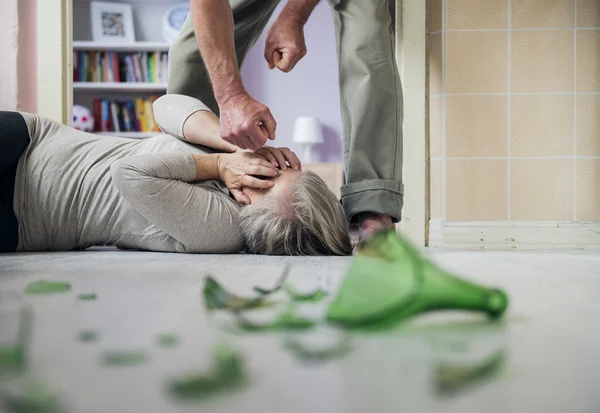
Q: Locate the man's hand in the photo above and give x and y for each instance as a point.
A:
(285, 44)
(246, 122)
(245, 169)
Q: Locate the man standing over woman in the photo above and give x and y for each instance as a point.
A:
(205, 63)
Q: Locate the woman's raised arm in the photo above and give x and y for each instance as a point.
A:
(190, 120)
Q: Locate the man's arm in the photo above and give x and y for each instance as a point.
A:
(285, 44)
(245, 122)
(213, 25)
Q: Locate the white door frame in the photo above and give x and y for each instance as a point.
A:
(411, 55)
(55, 50)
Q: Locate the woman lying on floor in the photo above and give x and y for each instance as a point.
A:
(62, 189)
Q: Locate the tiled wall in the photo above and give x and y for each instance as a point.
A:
(514, 109)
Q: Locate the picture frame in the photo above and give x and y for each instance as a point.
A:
(112, 22)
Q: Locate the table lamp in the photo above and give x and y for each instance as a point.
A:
(307, 132)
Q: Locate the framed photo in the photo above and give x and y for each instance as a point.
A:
(112, 22)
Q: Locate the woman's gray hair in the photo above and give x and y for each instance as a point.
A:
(310, 222)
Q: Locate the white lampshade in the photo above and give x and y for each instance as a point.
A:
(307, 130)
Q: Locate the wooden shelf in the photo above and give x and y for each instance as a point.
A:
(120, 86)
(133, 135)
(122, 47)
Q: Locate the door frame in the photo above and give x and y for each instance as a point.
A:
(411, 56)
(55, 53)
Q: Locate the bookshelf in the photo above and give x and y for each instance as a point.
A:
(96, 87)
(148, 17)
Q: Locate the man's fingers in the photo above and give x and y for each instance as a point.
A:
(277, 56)
(256, 136)
(270, 55)
(252, 182)
(292, 159)
(269, 123)
(239, 196)
(236, 140)
(288, 61)
(260, 170)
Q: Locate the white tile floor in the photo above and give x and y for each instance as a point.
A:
(550, 336)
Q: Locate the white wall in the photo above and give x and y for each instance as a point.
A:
(147, 18)
(311, 89)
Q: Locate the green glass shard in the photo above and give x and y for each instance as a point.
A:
(13, 357)
(47, 287)
(227, 372)
(286, 320)
(453, 377)
(313, 296)
(168, 340)
(217, 298)
(389, 280)
(87, 297)
(307, 353)
(278, 285)
(87, 336)
(123, 358)
(28, 396)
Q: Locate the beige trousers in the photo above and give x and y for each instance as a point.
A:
(370, 93)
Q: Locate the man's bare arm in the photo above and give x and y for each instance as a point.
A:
(213, 25)
(244, 121)
(299, 9)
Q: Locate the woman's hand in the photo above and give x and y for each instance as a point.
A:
(245, 169)
(279, 156)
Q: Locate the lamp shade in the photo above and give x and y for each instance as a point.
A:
(307, 130)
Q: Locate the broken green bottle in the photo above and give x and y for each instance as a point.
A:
(390, 280)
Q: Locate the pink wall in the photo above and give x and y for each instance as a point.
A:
(18, 50)
(27, 64)
(8, 51)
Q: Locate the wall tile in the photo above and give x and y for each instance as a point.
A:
(542, 61)
(476, 190)
(476, 125)
(588, 60)
(541, 189)
(435, 188)
(531, 14)
(435, 127)
(434, 16)
(480, 14)
(434, 51)
(588, 189)
(541, 125)
(588, 13)
(476, 62)
(588, 126)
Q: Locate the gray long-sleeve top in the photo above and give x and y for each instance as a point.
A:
(74, 190)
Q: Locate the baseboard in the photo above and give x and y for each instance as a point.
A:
(506, 235)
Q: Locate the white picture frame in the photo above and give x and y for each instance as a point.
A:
(112, 22)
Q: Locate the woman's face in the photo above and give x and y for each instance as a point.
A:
(282, 185)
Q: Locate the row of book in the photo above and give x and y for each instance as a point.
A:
(125, 116)
(99, 66)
